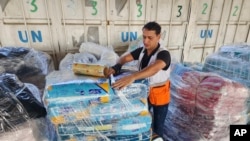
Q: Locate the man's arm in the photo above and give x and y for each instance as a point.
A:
(125, 58)
(122, 60)
(146, 72)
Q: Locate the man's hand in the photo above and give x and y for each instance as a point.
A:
(108, 72)
(123, 82)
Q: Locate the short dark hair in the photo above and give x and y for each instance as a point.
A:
(153, 26)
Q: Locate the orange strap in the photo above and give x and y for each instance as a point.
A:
(160, 95)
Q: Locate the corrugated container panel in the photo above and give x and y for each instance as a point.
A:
(120, 36)
(38, 37)
(173, 15)
(237, 33)
(128, 11)
(238, 22)
(210, 10)
(28, 23)
(204, 30)
(74, 35)
(248, 39)
(81, 10)
(35, 36)
(28, 9)
(192, 29)
(166, 11)
(172, 38)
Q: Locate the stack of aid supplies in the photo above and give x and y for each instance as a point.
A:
(87, 108)
(83, 107)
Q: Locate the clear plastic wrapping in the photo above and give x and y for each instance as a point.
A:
(84, 107)
(91, 55)
(203, 105)
(231, 61)
(21, 132)
(20, 103)
(85, 58)
(105, 55)
(28, 64)
(11, 84)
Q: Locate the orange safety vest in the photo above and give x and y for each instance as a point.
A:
(160, 95)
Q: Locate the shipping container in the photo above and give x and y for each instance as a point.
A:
(203, 103)
(191, 29)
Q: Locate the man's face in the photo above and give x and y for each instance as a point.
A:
(150, 39)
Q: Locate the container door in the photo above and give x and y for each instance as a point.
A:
(80, 21)
(173, 16)
(205, 26)
(28, 24)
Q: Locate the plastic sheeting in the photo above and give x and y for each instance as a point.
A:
(104, 55)
(20, 106)
(9, 83)
(28, 64)
(231, 61)
(93, 59)
(83, 107)
(203, 105)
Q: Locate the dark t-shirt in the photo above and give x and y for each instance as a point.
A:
(163, 55)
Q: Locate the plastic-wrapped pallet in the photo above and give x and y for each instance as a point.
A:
(22, 132)
(28, 64)
(20, 103)
(203, 105)
(9, 83)
(231, 61)
(83, 107)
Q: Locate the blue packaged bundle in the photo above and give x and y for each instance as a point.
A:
(125, 126)
(130, 104)
(145, 136)
(67, 84)
(78, 110)
(87, 106)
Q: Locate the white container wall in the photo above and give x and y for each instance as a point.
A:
(79, 21)
(82, 10)
(238, 22)
(28, 23)
(205, 22)
(35, 36)
(175, 11)
(128, 11)
(76, 34)
(191, 29)
(214, 23)
(173, 15)
(122, 35)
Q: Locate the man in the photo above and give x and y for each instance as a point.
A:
(154, 63)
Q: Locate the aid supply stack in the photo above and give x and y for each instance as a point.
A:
(28, 64)
(231, 61)
(20, 106)
(20, 103)
(204, 105)
(84, 107)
